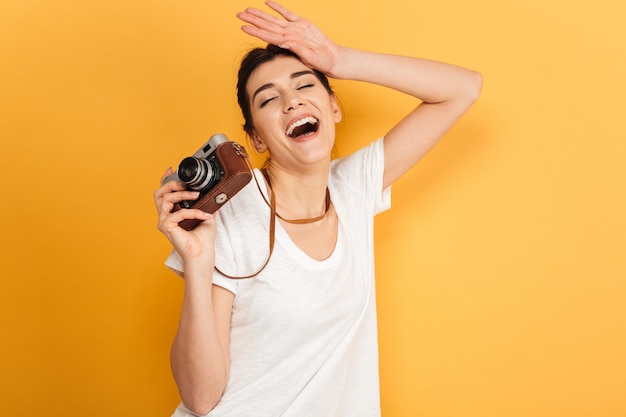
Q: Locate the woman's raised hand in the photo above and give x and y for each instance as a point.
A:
(190, 245)
(294, 33)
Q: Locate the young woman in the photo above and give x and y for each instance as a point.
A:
(299, 339)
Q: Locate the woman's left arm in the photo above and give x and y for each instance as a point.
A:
(445, 91)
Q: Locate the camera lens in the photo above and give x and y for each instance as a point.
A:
(196, 173)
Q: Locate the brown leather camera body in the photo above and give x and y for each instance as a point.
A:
(237, 174)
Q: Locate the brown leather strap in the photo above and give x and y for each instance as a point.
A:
(296, 221)
(273, 215)
(272, 205)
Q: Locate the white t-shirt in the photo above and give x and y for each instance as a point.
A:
(303, 332)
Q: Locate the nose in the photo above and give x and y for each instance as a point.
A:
(292, 102)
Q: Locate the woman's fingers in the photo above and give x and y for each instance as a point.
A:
(169, 194)
(178, 196)
(293, 32)
(284, 12)
(168, 172)
(264, 28)
(270, 28)
(167, 224)
(264, 35)
(190, 244)
(262, 19)
(165, 205)
(168, 187)
(260, 22)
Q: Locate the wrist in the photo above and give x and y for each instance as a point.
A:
(352, 64)
(340, 69)
(199, 267)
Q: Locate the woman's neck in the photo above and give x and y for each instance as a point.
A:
(299, 195)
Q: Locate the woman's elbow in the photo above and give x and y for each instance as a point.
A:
(202, 406)
(474, 85)
(202, 399)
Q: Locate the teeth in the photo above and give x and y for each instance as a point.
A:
(298, 123)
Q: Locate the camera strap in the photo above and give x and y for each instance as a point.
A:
(272, 206)
(273, 214)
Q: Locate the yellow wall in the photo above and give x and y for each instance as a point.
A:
(502, 278)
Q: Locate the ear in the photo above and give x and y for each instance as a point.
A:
(336, 109)
(258, 143)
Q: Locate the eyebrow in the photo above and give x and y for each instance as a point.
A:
(270, 85)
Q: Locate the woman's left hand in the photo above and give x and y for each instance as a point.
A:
(294, 33)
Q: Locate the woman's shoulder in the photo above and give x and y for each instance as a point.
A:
(357, 178)
(355, 166)
(363, 155)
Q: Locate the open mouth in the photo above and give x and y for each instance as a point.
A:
(303, 127)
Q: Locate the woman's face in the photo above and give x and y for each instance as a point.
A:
(293, 114)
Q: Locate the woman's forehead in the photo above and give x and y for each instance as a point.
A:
(278, 69)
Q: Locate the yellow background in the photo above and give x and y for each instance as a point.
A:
(501, 270)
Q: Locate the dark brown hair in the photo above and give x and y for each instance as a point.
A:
(253, 59)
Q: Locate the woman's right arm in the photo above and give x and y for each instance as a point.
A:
(200, 351)
(199, 355)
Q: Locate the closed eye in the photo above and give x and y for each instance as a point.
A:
(269, 100)
(266, 102)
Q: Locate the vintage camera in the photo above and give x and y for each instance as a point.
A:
(218, 170)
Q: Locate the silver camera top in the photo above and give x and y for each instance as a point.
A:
(209, 147)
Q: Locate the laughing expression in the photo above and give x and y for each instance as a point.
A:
(293, 114)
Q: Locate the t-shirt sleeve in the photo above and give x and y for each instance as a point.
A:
(175, 263)
(362, 172)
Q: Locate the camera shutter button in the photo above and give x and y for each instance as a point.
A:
(221, 198)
